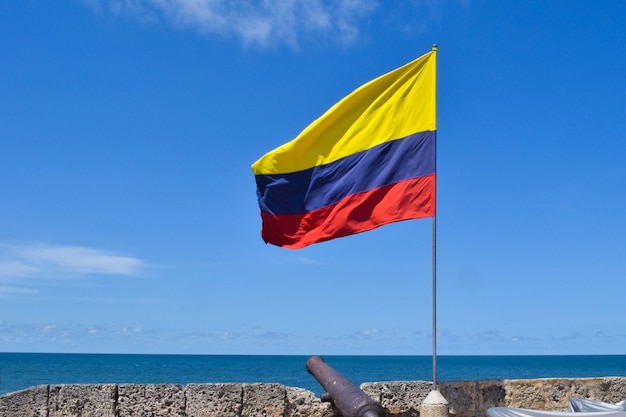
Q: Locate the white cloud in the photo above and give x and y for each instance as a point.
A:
(264, 22)
(34, 260)
(24, 266)
(371, 332)
(54, 337)
(14, 268)
(8, 290)
(78, 259)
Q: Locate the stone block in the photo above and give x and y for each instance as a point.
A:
(263, 400)
(584, 388)
(153, 400)
(303, 403)
(490, 394)
(214, 400)
(526, 393)
(399, 397)
(30, 402)
(611, 389)
(89, 400)
(461, 396)
(558, 393)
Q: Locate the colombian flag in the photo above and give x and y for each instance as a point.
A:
(368, 161)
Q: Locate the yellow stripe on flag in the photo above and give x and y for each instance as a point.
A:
(390, 107)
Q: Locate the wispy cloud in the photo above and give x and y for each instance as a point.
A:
(11, 290)
(15, 268)
(371, 332)
(55, 336)
(22, 263)
(113, 330)
(77, 259)
(262, 23)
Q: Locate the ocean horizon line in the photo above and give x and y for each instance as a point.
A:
(316, 354)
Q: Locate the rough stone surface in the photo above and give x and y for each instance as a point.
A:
(582, 388)
(303, 403)
(490, 394)
(400, 399)
(558, 392)
(434, 410)
(263, 400)
(614, 389)
(151, 400)
(93, 400)
(526, 393)
(462, 397)
(214, 400)
(30, 402)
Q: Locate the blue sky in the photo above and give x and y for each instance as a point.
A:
(128, 213)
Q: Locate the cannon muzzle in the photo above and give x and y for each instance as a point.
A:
(349, 399)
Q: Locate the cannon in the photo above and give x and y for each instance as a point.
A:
(347, 398)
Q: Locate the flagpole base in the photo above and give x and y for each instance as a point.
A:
(434, 405)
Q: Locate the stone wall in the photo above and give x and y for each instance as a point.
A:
(403, 399)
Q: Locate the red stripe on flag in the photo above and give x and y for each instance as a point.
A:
(405, 200)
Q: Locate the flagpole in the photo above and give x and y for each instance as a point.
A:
(434, 277)
(435, 405)
(434, 296)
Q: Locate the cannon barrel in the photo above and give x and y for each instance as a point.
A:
(349, 399)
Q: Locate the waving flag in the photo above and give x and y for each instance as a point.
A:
(368, 161)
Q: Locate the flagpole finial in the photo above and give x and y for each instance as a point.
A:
(434, 47)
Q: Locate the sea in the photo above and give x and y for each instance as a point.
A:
(23, 370)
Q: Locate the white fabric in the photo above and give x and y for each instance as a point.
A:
(525, 412)
(584, 405)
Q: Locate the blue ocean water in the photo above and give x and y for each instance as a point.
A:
(22, 370)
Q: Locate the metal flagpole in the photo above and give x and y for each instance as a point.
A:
(434, 278)
(434, 296)
(434, 405)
